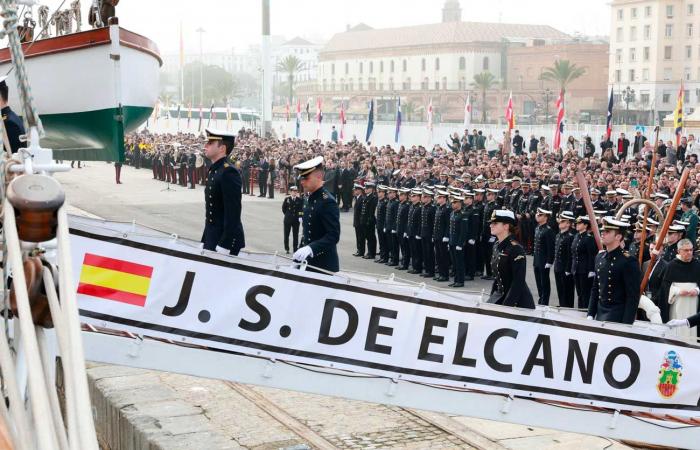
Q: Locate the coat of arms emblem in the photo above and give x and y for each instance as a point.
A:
(670, 374)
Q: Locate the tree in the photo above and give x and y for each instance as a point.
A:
(483, 82)
(290, 65)
(563, 73)
(218, 84)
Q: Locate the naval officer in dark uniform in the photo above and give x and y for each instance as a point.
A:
(223, 230)
(321, 222)
(615, 292)
(13, 124)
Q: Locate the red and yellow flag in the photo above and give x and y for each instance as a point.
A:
(115, 279)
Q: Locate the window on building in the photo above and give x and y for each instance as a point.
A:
(405, 65)
(631, 76)
(407, 84)
(647, 11)
(617, 98)
(372, 84)
(391, 84)
(646, 54)
(333, 69)
(686, 74)
(485, 63)
(689, 30)
(644, 97)
(392, 66)
(371, 67)
(686, 94)
(669, 30)
(647, 32)
(688, 51)
(666, 97)
(425, 85)
(634, 13)
(359, 84)
(618, 76)
(381, 66)
(437, 63)
(691, 9)
(332, 85)
(668, 73)
(462, 83)
(668, 52)
(669, 11)
(620, 14)
(437, 85)
(645, 74)
(422, 64)
(347, 68)
(462, 63)
(633, 54)
(362, 66)
(618, 55)
(633, 33)
(619, 35)
(444, 83)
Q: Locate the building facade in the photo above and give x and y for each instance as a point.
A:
(654, 44)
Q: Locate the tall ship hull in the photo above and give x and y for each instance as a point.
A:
(90, 88)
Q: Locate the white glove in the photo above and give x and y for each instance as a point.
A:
(301, 220)
(591, 274)
(418, 238)
(405, 235)
(302, 254)
(384, 230)
(547, 266)
(223, 251)
(201, 245)
(492, 240)
(589, 318)
(393, 231)
(567, 273)
(678, 323)
(472, 242)
(458, 248)
(445, 239)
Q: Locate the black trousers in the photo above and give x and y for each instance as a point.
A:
(405, 251)
(262, 185)
(371, 240)
(271, 191)
(583, 289)
(458, 258)
(190, 173)
(428, 256)
(470, 259)
(346, 195)
(381, 240)
(246, 184)
(543, 285)
(565, 289)
(416, 254)
(293, 226)
(442, 255)
(393, 241)
(487, 250)
(360, 239)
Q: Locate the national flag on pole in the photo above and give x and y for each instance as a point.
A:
(430, 115)
(182, 49)
(678, 115)
(298, 127)
(286, 118)
(228, 116)
(560, 121)
(319, 117)
(211, 113)
(468, 112)
(342, 121)
(308, 110)
(608, 131)
(115, 279)
(397, 134)
(510, 113)
(178, 116)
(370, 121)
(189, 114)
(201, 117)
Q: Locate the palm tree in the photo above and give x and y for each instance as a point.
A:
(563, 73)
(483, 81)
(290, 65)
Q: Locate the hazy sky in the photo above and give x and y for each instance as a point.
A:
(237, 23)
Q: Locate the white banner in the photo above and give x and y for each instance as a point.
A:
(163, 287)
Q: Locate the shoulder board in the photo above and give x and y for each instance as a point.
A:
(4, 117)
(627, 254)
(519, 257)
(226, 165)
(325, 196)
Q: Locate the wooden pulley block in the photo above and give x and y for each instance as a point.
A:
(38, 302)
(36, 199)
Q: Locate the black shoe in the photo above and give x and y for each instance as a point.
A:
(457, 285)
(391, 264)
(487, 277)
(413, 272)
(469, 279)
(286, 251)
(451, 285)
(402, 268)
(428, 275)
(368, 257)
(442, 279)
(381, 261)
(358, 254)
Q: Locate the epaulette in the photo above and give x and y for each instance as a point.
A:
(226, 165)
(627, 254)
(519, 257)
(325, 196)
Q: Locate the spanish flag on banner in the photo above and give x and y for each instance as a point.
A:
(678, 115)
(115, 279)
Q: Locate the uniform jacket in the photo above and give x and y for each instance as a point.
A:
(402, 219)
(391, 215)
(222, 196)
(293, 209)
(459, 227)
(583, 252)
(369, 207)
(562, 251)
(381, 213)
(322, 229)
(357, 210)
(544, 246)
(414, 220)
(615, 292)
(427, 221)
(509, 266)
(442, 222)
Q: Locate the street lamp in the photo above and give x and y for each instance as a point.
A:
(628, 97)
(201, 32)
(547, 94)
